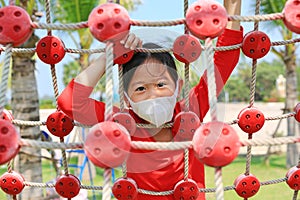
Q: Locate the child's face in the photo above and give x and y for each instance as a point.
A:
(149, 81)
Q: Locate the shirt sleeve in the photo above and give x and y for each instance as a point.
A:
(225, 62)
(75, 102)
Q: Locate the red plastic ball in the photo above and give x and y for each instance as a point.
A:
(126, 120)
(107, 144)
(15, 25)
(186, 189)
(12, 183)
(109, 21)
(6, 115)
(67, 186)
(50, 50)
(256, 44)
(9, 141)
(59, 124)
(246, 186)
(293, 178)
(251, 120)
(297, 111)
(121, 54)
(125, 188)
(187, 48)
(206, 19)
(291, 13)
(216, 144)
(185, 125)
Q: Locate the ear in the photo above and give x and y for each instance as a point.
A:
(180, 85)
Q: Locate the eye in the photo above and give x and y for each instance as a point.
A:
(161, 84)
(141, 88)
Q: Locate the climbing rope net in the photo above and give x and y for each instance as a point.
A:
(224, 144)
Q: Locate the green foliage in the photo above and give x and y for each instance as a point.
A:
(2, 3)
(71, 69)
(47, 103)
(237, 89)
(128, 4)
(273, 6)
(73, 11)
(267, 73)
(7, 107)
(238, 85)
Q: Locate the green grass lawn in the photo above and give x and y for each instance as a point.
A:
(275, 170)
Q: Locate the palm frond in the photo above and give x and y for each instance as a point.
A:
(72, 11)
(2, 2)
(31, 6)
(273, 6)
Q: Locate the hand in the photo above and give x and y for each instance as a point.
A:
(233, 7)
(92, 74)
(131, 41)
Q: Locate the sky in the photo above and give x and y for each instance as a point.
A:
(151, 10)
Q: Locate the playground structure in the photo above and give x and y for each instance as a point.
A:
(204, 20)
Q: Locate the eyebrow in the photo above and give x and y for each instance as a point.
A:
(154, 80)
(138, 83)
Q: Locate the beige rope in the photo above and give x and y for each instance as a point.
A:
(162, 145)
(142, 145)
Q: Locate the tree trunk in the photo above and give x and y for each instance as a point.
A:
(291, 100)
(25, 106)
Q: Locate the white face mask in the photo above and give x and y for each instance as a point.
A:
(157, 111)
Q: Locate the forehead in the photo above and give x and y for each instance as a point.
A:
(151, 70)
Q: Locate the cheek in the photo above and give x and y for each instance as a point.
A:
(172, 90)
(169, 91)
(165, 93)
(136, 98)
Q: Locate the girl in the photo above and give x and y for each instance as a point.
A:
(151, 87)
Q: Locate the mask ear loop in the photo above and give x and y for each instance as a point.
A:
(128, 98)
(177, 88)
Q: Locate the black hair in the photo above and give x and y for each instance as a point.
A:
(139, 58)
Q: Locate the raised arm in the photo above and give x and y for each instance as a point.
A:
(233, 7)
(75, 101)
(92, 74)
(225, 61)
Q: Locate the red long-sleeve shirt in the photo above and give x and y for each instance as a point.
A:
(158, 170)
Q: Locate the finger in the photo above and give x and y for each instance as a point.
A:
(135, 44)
(140, 45)
(130, 39)
(124, 39)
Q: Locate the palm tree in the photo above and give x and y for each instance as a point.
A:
(288, 57)
(25, 106)
(25, 101)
